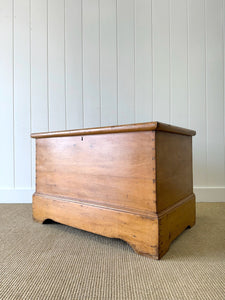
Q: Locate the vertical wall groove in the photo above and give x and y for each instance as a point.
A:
(170, 69)
(13, 89)
(47, 66)
(117, 75)
(153, 107)
(223, 39)
(188, 93)
(82, 58)
(65, 64)
(134, 2)
(206, 104)
(31, 150)
(100, 84)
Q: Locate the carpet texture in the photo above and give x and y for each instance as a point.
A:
(54, 261)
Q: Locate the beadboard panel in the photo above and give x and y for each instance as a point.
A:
(73, 64)
(22, 95)
(38, 71)
(161, 60)
(197, 87)
(6, 95)
(68, 64)
(39, 66)
(179, 62)
(56, 64)
(143, 61)
(91, 63)
(108, 62)
(125, 40)
(215, 91)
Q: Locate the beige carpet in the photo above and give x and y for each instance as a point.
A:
(53, 261)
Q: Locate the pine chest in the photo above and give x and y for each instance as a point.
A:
(132, 182)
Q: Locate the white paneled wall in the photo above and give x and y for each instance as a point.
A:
(67, 64)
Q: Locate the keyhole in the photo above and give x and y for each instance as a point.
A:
(82, 138)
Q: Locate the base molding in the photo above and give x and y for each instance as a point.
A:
(150, 236)
(24, 195)
(210, 194)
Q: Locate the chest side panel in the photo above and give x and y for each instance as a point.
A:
(174, 168)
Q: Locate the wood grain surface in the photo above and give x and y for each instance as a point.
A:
(148, 126)
(174, 179)
(115, 169)
(132, 228)
(132, 182)
(149, 236)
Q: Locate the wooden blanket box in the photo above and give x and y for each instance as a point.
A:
(132, 182)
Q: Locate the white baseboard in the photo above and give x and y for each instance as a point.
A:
(16, 195)
(210, 194)
(203, 194)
